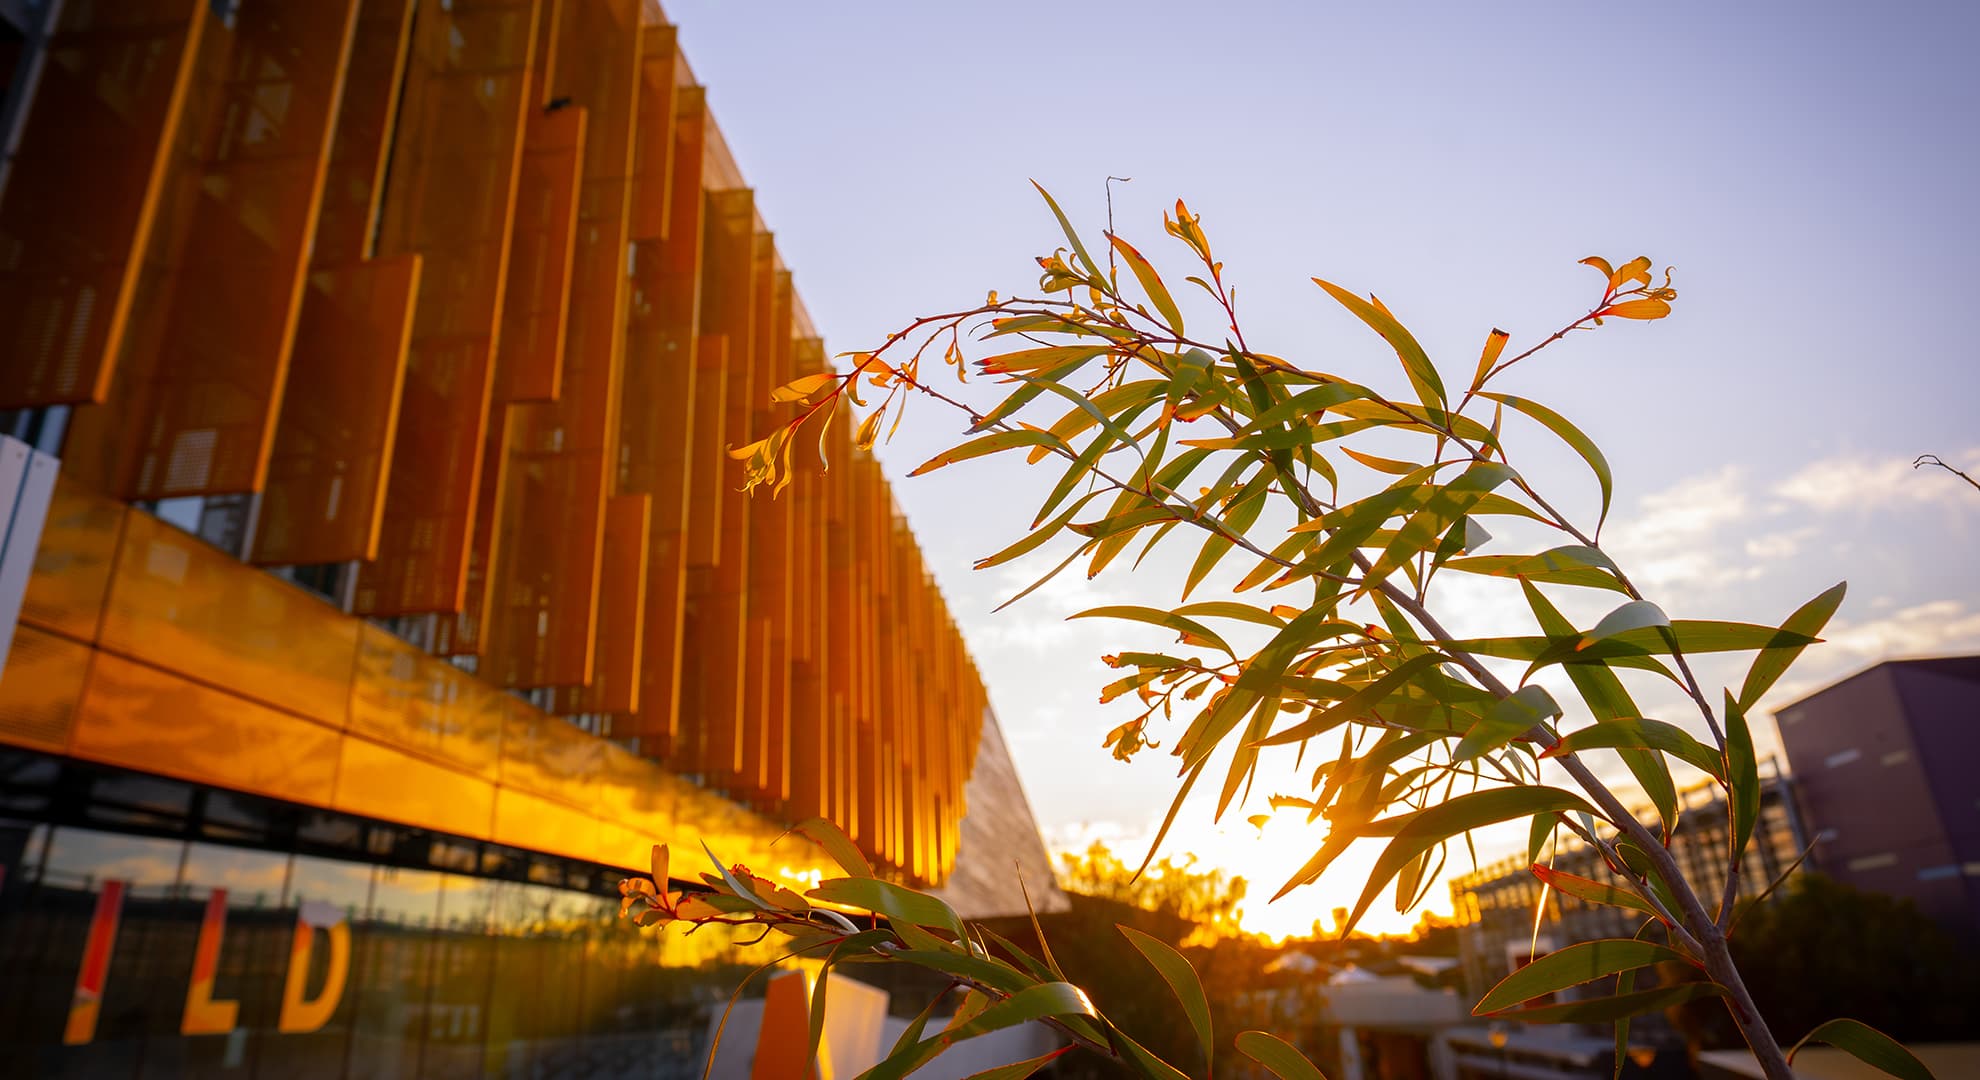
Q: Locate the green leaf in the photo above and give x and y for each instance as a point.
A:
(836, 844)
(989, 971)
(1574, 564)
(1072, 235)
(1182, 981)
(1168, 819)
(1243, 513)
(856, 943)
(1807, 621)
(1608, 700)
(1035, 539)
(1868, 1045)
(1418, 832)
(990, 444)
(1278, 1056)
(1032, 1003)
(1033, 385)
(1226, 609)
(1445, 506)
(1647, 734)
(1693, 636)
(1742, 777)
(1572, 966)
(1151, 283)
(1571, 435)
(1507, 719)
(1422, 373)
(1018, 1070)
(1356, 704)
(1635, 615)
(1168, 620)
(1607, 1010)
(1594, 892)
(897, 902)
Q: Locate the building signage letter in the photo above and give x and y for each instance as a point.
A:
(204, 1015)
(88, 1000)
(300, 1012)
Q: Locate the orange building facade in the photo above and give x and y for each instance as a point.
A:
(370, 367)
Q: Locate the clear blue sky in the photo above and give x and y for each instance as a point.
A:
(1809, 169)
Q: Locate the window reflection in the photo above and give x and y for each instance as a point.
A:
(438, 973)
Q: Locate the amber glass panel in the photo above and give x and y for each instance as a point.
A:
(354, 187)
(657, 414)
(325, 495)
(71, 580)
(184, 606)
(614, 684)
(84, 192)
(450, 197)
(192, 410)
(403, 697)
(529, 366)
(378, 781)
(546, 596)
(139, 717)
(39, 689)
(548, 756)
(530, 821)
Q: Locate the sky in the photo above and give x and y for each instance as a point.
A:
(1807, 168)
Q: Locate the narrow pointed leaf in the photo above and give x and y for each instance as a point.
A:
(1594, 892)
(1278, 1056)
(1417, 832)
(990, 444)
(1570, 435)
(1742, 776)
(1507, 719)
(1168, 620)
(1868, 1045)
(1422, 373)
(1808, 620)
(1635, 615)
(1607, 1010)
(1017, 1070)
(897, 902)
(1151, 283)
(1182, 980)
(1572, 966)
(1646, 734)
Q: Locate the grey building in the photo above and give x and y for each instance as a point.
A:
(1887, 763)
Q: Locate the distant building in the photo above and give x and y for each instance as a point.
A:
(1887, 763)
(1495, 905)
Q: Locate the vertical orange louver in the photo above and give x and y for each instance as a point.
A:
(83, 196)
(192, 407)
(325, 490)
(657, 418)
(450, 197)
(545, 602)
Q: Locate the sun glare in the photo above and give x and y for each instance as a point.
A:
(1265, 856)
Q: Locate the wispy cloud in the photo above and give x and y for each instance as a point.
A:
(1936, 626)
(1862, 482)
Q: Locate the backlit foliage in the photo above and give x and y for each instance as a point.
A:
(1340, 503)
